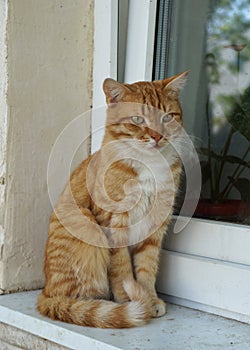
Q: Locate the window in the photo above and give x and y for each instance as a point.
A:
(204, 265)
(212, 38)
(207, 265)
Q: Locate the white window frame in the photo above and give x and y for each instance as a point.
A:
(138, 67)
(105, 62)
(140, 40)
(207, 265)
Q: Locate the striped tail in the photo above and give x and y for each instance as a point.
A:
(99, 313)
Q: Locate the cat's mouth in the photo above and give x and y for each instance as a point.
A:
(147, 145)
(157, 146)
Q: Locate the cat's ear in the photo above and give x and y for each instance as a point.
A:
(113, 90)
(176, 83)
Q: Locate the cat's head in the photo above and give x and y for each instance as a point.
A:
(148, 112)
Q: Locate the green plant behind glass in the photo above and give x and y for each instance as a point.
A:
(237, 112)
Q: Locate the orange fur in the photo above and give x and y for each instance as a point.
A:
(106, 231)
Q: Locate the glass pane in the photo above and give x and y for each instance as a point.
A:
(212, 39)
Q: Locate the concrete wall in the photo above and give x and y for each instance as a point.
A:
(48, 78)
(3, 124)
(12, 338)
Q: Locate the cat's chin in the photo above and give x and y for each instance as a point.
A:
(158, 148)
(151, 150)
(147, 147)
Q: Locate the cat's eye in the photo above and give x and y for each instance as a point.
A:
(137, 119)
(167, 117)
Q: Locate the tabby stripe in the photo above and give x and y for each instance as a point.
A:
(141, 270)
(59, 249)
(117, 314)
(153, 242)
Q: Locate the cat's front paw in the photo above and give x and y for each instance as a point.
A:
(158, 308)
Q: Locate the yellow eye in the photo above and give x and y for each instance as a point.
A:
(167, 118)
(137, 119)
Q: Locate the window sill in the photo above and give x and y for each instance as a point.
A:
(181, 328)
(207, 266)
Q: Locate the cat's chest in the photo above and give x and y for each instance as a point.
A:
(153, 179)
(143, 216)
(155, 182)
(154, 175)
(152, 182)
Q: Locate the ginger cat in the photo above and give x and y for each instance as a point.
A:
(106, 230)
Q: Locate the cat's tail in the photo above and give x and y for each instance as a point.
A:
(99, 313)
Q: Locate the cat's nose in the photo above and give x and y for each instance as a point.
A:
(156, 137)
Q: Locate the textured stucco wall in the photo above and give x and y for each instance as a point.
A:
(50, 50)
(3, 120)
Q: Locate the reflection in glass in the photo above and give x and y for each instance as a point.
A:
(225, 158)
(212, 39)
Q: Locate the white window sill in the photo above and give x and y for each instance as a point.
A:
(207, 266)
(181, 328)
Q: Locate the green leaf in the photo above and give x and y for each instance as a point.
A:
(243, 186)
(205, 171)
(228, 158)
(239, 118)
(237, 160)
(227, 102)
